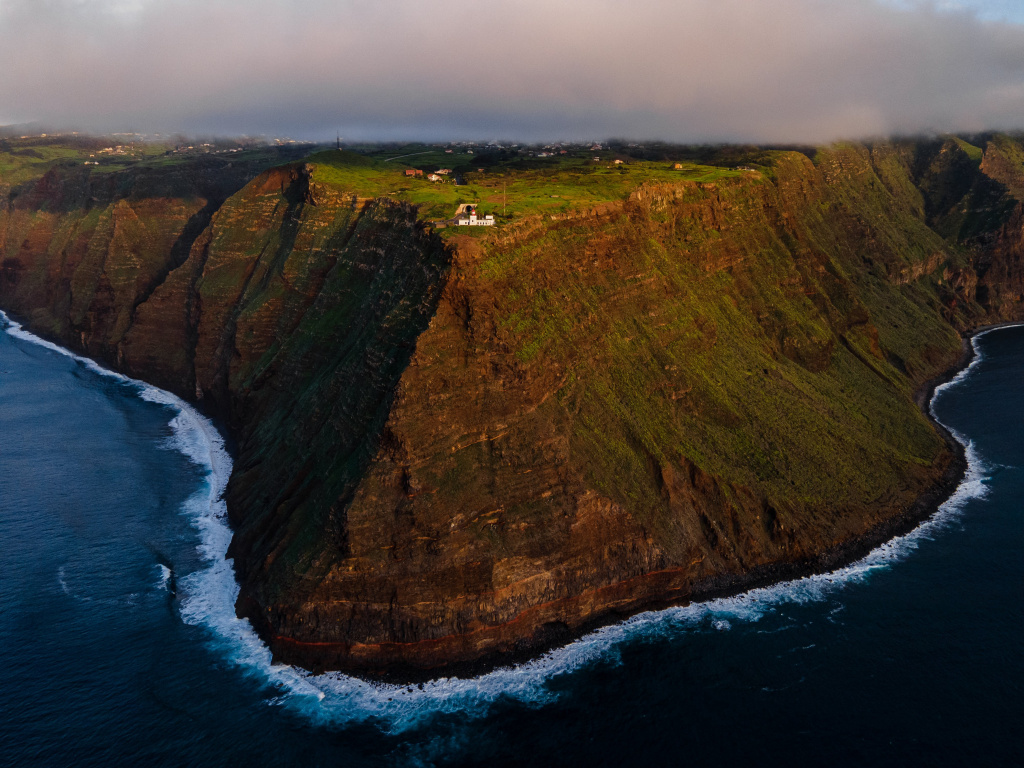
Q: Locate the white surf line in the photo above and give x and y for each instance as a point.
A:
(346, 699)
(339, 699)
(963, 374)
(211, 592)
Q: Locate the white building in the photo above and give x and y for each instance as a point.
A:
(475, 221)
(466, 217)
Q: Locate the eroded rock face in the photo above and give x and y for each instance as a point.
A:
(450, 451)
(1001, 286)
(555, 452)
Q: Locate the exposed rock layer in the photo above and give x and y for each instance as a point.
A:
(449, 451)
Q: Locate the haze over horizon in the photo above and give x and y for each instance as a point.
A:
(683, 70)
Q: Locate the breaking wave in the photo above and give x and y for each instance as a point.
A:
(339, 699)
(165, 578)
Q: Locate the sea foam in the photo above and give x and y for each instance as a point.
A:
(338, 699)
(165, 577)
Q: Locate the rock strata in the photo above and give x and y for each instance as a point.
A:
(465, 449)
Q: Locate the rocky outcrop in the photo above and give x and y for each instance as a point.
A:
(465, 449)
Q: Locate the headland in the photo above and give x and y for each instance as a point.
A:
(680, 375)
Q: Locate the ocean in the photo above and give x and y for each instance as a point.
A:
(119, 644)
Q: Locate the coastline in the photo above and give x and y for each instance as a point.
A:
(846, 554)
(723, 587)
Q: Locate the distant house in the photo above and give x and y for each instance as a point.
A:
(435, 177)
(413, 172)
(678, 166)
(619, 162)
(444, 171)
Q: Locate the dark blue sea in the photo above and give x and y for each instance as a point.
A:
(119, 645)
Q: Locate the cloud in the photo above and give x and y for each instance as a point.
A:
(686, 70)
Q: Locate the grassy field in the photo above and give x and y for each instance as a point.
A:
(973, 152)
(503, 188)
(505, 183)
(22, 160)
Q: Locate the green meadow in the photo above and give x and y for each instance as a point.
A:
(508, 189)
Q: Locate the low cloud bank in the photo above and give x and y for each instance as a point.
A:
(684, 70)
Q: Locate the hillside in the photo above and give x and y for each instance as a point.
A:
(646, 384)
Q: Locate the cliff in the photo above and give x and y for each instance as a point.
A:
(454, 447)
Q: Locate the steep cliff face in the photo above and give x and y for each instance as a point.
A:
(652, 402)
(82, 252)
(456, 449)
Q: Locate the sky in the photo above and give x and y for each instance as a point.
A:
(528, 70)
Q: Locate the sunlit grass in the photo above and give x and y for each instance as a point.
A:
(561, 185)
